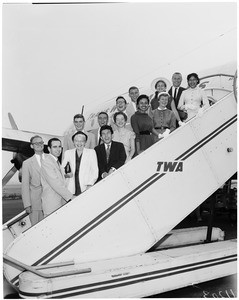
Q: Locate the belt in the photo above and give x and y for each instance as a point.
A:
(162, 127)
(146, 132)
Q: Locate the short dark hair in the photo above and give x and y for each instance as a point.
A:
(34, 137)
(120, 97)
(133, 88)
(78, 133)
(142, 97)
(160, 80)
(52, 140)
(78, 116)
(104, 127)
(193, 75)
(119, 113)
(103, 113)
(177, 73)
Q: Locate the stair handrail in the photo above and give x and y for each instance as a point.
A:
(235, 85)
(16, 263)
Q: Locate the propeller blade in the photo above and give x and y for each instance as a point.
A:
(12, 121)
(9, 175)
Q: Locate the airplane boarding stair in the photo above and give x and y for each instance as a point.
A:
(131, 210)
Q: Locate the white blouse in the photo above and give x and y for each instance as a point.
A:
(191, 100)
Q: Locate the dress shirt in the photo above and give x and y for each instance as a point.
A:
(39, 158)
(107, 150)
(134, 105)
(173, 91)
(106, 145)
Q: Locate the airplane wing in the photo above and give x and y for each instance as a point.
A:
(9, 175)
(18, 142)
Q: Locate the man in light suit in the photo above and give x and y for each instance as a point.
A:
(55, 193)
(176, 91)
(79, 124)
(88, 167)
(31, 181)
(110, 155)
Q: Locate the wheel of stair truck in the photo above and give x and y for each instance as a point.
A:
(235, 85)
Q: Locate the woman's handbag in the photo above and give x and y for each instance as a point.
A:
(182, 114)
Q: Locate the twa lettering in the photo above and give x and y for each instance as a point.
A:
(170, 166)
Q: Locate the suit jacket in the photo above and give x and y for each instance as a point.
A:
(96, 134)
(179, 93)
(68, 144)
(88, 172)
(116, 159)
(54, 185)
(31, 184)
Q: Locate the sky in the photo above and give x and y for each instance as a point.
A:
(57, 58)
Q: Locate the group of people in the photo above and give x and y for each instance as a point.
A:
(88, 157)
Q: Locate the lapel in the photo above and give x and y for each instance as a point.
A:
(170, 91)
(180, 90)
(72, 159)
(111, 151)
(58, 166)
(35, 164)
(61, 171)
(83, 160)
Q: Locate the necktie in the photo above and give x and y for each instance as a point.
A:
(108, 153)
(175, 93)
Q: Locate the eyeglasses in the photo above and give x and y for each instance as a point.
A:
(38, 143)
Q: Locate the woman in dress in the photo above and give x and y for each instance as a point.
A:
(123, 135)
(193, 100)
(161, 87)
(83, 164)
(164, 120)
(142, 125)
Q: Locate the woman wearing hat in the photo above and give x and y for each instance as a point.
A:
(193, 100)
(160, 86)
(142, 125)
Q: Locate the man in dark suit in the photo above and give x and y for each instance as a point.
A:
(176, 91)
(110, 155)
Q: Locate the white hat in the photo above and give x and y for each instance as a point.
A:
(165, 93)
(167, 82)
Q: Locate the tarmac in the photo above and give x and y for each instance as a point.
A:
(225, 287)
